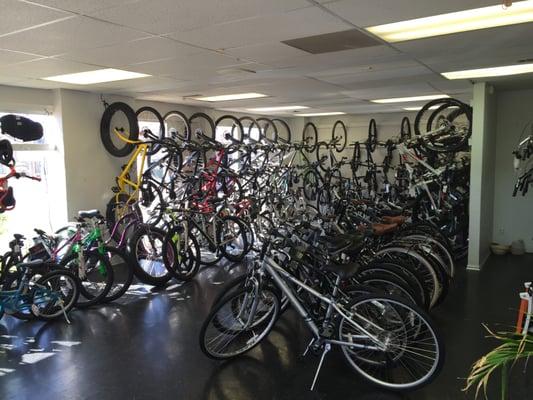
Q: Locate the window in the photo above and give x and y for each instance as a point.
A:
(38, 204)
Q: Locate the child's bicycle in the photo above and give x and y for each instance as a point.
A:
(45, 290)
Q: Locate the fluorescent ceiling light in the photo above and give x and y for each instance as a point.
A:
(407, 99)
(469, 20)
(490, 72)
(96, 76)
(430, 108)
(281, 108)
(320, 114)
(228, 97)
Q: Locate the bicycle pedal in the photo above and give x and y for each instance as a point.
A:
(115, 189)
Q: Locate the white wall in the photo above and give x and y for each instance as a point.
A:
(481, 174)
(513, 216)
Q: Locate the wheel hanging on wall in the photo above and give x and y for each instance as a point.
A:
(122, 117)
(177, 126)
(199, 129)
(372, 135)
(454, 120)
(405, 130)
(310, 137)
(339, 135)
(149, 115)
(269, 130)
(286, 136)
(237, 131)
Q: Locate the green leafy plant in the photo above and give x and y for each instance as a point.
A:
(513, 348)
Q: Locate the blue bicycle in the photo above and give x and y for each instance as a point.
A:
(43, 290)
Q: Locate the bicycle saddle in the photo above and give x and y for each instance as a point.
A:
(345, 271)
(383, 229)
(89, 214)
(398, 219)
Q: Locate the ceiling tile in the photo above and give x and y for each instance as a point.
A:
(134, 52)
(69, 35)
(83, 6)
(267, 28)
(386, 11)
(266, 53)
(15, 15)
(403, 90)
(165, 16)
(204, 61)
(481, 48)
(44, 67)
(8, 57)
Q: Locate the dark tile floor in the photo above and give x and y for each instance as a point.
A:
(146, 347)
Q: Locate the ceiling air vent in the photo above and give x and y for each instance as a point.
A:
(336, 41)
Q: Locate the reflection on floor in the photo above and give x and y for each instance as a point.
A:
(146, 347)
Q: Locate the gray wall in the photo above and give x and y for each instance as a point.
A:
(89, 170)
(481, 174)
(513, 216)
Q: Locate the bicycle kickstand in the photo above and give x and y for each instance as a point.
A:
(308, 347)
(327, 348)
(64, 312)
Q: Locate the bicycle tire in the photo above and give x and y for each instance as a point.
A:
(236, 123)
(170, 252)
(287, 138)
(211, 125)
(185, 137)
(107, 132)
(265, 128)
(343, 137)
(74, 283)
(103, 268)
(155, 147)
(405, 131)
(122, 274)
(242, 232)
(152, 277)
(372, 140)
(310, 147)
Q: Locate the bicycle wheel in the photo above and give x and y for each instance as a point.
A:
(310, 137)
(356, 157)
(310, 183)
(55, 294)
(339, 136)
(121, 216)
(372, 140)
(232, 238)
(121, 116)
(323, 157)
(121, 264)
(95, 275)
(146, 249)
(284, 136)
(151, 203)
(236, 134)
(268, 130)
(149, 119)
(177, 126)
(239, 322)
(181, 254)
(198, 122)
(395, 344)
(405, 131)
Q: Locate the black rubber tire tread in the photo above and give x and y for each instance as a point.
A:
(107, 131)
(405, 131)
(232, 293)
(137, 269)
(243, 228)
(280, 138)
(169, 264)
(207, 135)
(185, 120)
(310, 147)
(235, 122)
(76, 295)
(91, 300)
(372, 140)
(268, 124)
(115, 295)
(154, 148)
(341, 145)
